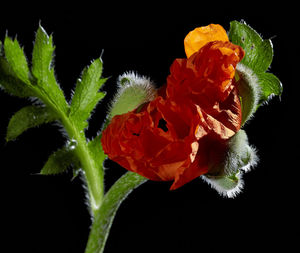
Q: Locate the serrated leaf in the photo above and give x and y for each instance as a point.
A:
(96, 150)
(28, 117)
(16, 59)
(270, 85)
(42, 54)
(43, 72)
(258, 52)
(86, 94)
(59, 162)
(11, 83)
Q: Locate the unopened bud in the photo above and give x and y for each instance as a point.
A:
(133, 91)
(240, 158)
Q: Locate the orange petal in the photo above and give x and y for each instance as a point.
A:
(202, 35)
(196, 169)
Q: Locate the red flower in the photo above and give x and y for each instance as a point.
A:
(182, 133)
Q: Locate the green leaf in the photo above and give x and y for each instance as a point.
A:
(258, 52)
(96, 151)
(10, 82)
(87, 95)
(104, 217)
(270, 85)
(27, 117)
(43, 72)
(59, 162)
(16, 59)
(42, 54)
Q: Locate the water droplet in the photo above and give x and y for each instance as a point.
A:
(72, 144)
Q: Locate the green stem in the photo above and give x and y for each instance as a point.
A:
(105, 214)
(103, 207)
(93, 176)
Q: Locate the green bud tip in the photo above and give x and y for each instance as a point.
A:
(133, 90)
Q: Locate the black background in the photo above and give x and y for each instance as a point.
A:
(48, 213)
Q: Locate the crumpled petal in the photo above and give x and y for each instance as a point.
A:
(197, 38)
(157, 141)
(210, 151)
(207, 80)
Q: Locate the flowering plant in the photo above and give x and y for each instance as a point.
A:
(190, 127)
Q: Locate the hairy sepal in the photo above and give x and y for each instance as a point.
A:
(249, 91)
(133, 91)
(227, 176)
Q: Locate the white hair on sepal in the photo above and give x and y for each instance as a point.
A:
(253, 159)
(240, 158)
(130, 79)
(223, 185)
(249, 90)
(133, 91)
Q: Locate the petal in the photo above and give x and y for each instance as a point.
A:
(174, 156)
(214, 66)
(210, 152)
(196, 169)
(200, 36)
(137, 166)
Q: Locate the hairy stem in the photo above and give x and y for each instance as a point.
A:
(105, 214)
(94, 176)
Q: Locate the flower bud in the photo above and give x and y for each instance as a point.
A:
(240, 157)
(133, 91)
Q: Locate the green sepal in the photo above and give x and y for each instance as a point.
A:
(87, 95)
(249, 91)
(60, 161)
(28, 117)
(258, 52)
(133, 91)
(225, 182)
(226, 176)
(43, 71)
